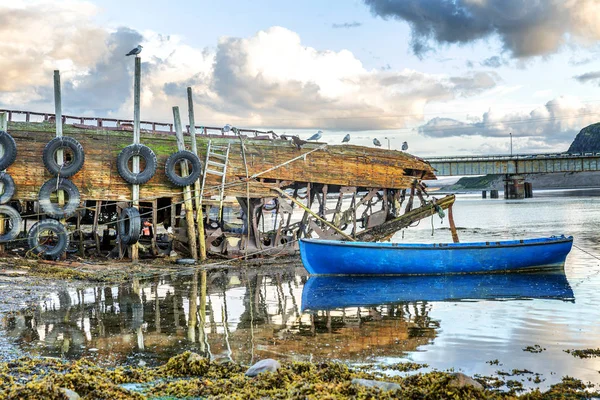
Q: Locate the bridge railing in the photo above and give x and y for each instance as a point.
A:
(124, 124)
(508, 157)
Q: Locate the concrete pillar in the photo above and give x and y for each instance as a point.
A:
(483, 194)
(514, 187)
(494, 194)
(528, 190)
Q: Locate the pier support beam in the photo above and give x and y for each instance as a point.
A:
(514, 187)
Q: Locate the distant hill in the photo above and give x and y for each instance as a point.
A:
(587, 140)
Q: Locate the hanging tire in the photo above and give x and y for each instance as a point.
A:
(10, 150)
(175, 159)
(142, 151)
(129, 226)
(9, 187)
(14, 223)
(41, 245)
(66, 170)
(52, 209)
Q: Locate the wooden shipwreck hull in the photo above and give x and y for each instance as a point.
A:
(354, 188)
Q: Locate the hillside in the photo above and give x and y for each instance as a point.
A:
(587, 140)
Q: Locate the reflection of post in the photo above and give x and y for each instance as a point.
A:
(226, 328)
(193, 309)
(140, 338)
(203, 339)
(156, 305)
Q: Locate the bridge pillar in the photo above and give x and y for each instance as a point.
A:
(514, 187)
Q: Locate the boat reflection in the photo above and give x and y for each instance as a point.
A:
(331, 292)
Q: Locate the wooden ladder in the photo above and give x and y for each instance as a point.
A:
(216, 164)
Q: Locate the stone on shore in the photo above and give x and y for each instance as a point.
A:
(460, 380)
(385, 386)
(267, 365)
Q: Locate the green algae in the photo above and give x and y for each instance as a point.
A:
(585, 353)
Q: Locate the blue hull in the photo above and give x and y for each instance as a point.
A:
(330, 257)
(331, 292)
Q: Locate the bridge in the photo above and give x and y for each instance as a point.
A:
(513, 166)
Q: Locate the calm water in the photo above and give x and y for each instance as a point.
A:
(461, 323)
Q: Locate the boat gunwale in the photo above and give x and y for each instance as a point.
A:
(443, 246)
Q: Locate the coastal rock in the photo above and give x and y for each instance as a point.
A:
(267, 365)
(461, 380)
(70, 395)
(385, 386)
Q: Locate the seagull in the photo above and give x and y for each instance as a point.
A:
(404, 146)
(135, 51)
(316, 136)
(376, 142)
(226, 128)
(346, 138)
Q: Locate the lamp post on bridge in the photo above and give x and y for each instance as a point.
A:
(510, 144)
(388, 139)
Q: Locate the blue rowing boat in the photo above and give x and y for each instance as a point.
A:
(331, 257)
(336, 292)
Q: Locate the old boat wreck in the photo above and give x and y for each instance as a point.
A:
(259, 192)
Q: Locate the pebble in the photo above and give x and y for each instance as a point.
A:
(385, 386)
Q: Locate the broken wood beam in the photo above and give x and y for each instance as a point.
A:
(385, 230)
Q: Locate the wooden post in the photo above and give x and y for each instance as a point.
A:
(135, 189)
(452, 226)
(187, 193)
(4, 128)
(59, 133)
(198, 200)
(154, 226)
(95, 226)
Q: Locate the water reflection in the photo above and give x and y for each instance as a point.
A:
(329, 292)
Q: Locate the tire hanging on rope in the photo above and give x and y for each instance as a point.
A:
(10, 150)
(42, 245)
(129, 226)
(193, 174)
(9, 187)
(66, 170)
(142, 151)
(14, 221)
(52, 209)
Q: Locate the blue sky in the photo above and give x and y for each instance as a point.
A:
(448, 77)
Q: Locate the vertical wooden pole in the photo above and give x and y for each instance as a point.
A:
(4, 128)
(452, 226)
(95, 226)
(187, 193)
(135, 189)
(59, 133)
(154, 226)
(198, 200)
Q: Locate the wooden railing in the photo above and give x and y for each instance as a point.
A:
(125, 124)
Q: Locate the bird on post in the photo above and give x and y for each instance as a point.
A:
(404, 146)
(346, 138)
(376, 142)
(298, 142)
(135, 51)
(316, 136)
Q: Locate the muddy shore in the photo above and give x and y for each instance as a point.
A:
(25, 283)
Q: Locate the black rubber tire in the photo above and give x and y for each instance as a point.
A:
(15, 220)
(49, 252)
(129, 226)
(10, 150)
(144, 152)
(53, 210)
(49, 156)
(9, 187)
(174, 159)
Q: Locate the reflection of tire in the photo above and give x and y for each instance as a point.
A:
(58, 229)
(129, 226)
(10, 150)
(52, 209)
(270, 206)
(142, 151)
(14, 223)
(9, 187)
(193, 174)
(65, 170)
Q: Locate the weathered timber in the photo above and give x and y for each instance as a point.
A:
(388, 228)
(344, 165)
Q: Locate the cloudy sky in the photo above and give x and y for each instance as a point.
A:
(450, 77)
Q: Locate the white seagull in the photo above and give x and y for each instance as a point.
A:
(376, 142)
(346, 138)
(135, 51)
(316, 136)
(404, 146)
